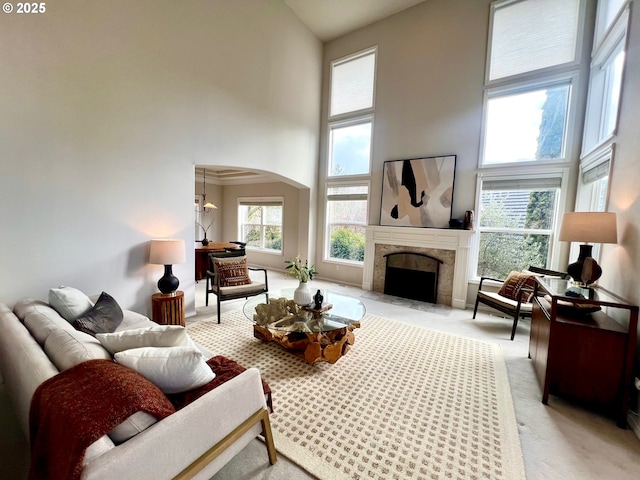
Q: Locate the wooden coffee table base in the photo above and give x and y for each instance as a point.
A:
(315, 347)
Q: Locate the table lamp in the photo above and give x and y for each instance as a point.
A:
(167, 252)
(594, 227)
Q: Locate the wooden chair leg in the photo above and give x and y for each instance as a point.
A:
(206, 302)
(475, 309)
(218, 297)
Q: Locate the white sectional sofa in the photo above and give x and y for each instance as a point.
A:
(194, 440)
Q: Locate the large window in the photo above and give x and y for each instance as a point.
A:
(605, 81)
(532, 63)
(526, 124)
(532, 78)
(516, 220)
(350, 147)
(346, 222)
(350, 132)
(261, 223)
(351, 114)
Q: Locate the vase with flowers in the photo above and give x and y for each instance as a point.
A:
(300, 270)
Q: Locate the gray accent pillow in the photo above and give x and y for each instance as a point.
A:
(104, 317)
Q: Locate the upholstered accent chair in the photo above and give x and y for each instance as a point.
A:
(228, 278)
(515, 295)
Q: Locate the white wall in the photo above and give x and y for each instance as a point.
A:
(429, 87)
(106, 107)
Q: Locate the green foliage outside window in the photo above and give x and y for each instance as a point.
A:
(501, 252)
(347, 245)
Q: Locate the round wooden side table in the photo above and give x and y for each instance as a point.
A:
(168, 308)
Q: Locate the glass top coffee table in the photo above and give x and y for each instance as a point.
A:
(320, 335)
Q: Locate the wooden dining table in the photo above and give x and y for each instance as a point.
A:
(202, 255)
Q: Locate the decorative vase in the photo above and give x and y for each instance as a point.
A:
(303, 295)
(205, 241)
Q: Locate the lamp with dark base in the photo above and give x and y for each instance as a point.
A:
(595, 227)
(167, 252)
(577, 269)
(168, 283)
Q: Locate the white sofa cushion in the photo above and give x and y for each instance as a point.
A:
(156, 336)
(40, 319)
(172, 369)
(69, 302)
(67, 348)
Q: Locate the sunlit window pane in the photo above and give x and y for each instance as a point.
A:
(350, 149)
(346, 222)
(515, 227)
(528, 126)
(261, 226)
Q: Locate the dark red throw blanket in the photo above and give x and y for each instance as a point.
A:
(225, 369)
(73, 409)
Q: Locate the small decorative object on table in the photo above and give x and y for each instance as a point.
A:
(317, 298)
(303, 272)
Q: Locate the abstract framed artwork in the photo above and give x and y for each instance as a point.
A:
(418, 192)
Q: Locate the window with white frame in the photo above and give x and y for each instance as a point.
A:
(516, 221)
(346, 219)
(531, 70)
(260, 223)
(530, 35)
(593, 187)
(526, 123)
(350, 132)
(605, 81)
(351, 114)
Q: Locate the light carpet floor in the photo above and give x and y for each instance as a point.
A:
(405, 403)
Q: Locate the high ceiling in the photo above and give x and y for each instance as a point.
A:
(330, 19)
(327, 20)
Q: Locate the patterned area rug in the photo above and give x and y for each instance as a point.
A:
(405, 403)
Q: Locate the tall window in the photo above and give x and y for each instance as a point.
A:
(346, 221)
(350, 131)
(531, 65)
(516, 220)
(351, 114)
(261, 223)
(605, 81)
(533, 68)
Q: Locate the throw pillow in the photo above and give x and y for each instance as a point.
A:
(157, 336)
(66, 349)
(69, 302)
(514, 283)
(172, 369)
(232, 272)
(104, 317)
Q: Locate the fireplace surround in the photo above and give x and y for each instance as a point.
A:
(449, 245)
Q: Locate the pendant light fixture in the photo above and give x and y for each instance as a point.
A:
(206, 205)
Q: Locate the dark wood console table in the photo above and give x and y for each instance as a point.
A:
(202, 256)
(587, 358)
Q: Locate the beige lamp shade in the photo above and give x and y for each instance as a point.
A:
(167, 251)
(589, 227)
(209, 205)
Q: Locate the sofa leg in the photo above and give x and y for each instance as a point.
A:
(215, 451)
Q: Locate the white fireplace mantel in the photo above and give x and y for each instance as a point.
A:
(436, 238)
